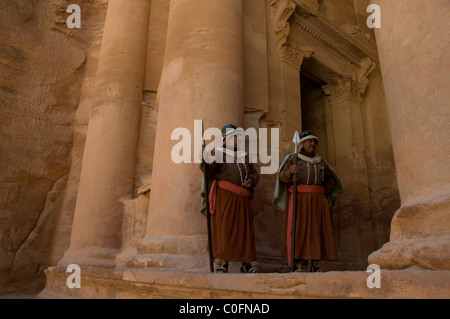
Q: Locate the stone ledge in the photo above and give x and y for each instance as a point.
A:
(160, 284)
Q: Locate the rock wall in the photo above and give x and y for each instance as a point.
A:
(43, 66)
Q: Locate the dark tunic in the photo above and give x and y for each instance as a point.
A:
(314, 238)
(232, 231)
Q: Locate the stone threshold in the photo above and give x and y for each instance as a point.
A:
(168, 284)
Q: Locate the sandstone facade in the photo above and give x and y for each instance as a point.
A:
(86, 174)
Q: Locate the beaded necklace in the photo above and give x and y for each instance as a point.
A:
(315, 174)
(240, 171)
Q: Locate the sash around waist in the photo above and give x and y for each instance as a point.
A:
(234, 188)
(227, 186)
(315, 189)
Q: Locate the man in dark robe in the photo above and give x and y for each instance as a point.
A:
(233, 179)
(317, 186)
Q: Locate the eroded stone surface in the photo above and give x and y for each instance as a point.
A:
(42, 66)
(160, 284)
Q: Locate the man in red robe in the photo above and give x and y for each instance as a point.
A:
(317, 183)
(234, 177)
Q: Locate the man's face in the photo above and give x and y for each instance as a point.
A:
(310, 145)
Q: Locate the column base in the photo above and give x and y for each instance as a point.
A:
(433, 253)
(420, 235)
(90, 257)
(187, 253)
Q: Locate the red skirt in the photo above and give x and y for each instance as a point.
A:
(314, 238)
(232, 231)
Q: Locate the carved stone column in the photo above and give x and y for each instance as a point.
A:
(415, 63)
(202, 78)
(108, 169)
(348, 142)
(291, 116)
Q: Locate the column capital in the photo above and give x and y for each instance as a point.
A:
(354, 86)
(294, 54)
(343, 89)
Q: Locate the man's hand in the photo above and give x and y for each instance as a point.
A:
(248, 183)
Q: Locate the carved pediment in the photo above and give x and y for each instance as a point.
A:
(324, 41)
(361, 39)
(300, 31)
(307, 7)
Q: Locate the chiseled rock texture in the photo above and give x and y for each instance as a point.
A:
(42, 68)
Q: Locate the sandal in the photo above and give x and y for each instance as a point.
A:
(315, 267)
(248, 268)
(301, 266)
(223, 268)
